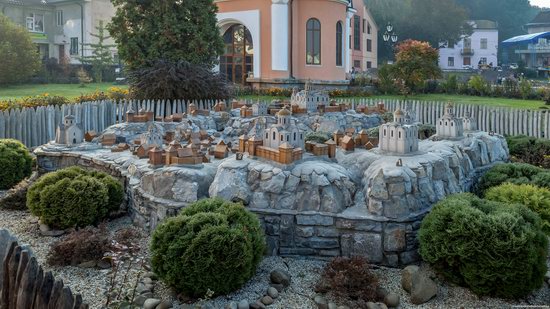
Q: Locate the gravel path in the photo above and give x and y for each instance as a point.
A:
(93, 283)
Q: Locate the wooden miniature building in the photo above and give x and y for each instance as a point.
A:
(120, 147)
(337, 136)
(246, 111)
(220, 107)
(347, 143)
(221, 150)
(108, 139)
(141, 116)
(243, 140)
(90, 135)
(156, 156)
(331, 148)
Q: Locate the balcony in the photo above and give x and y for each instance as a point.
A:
(467, 52)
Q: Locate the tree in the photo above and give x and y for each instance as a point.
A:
(171, 30)
(101, 57)
(432, 21)
(415, 63)
(19, 59)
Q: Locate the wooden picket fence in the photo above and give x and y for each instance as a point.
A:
(36, 126)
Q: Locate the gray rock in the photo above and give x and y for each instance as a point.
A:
(406, 277)
(371, 305)
(147, 280)
(267, 300)
(243, 304)
(279, 287)
(142, 288)
(103, 264)
(89, 264)
(423, 288)
(272, 292)
(151, 303)
(47, 231)
(232, 305)
(257, 305)
(140, 299)
(392, 300)
(321, 302)
(343, 307)
(165, 304)
(332, 305)
(280, 276)
(151, 275)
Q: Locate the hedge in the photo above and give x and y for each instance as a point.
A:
(15, 163)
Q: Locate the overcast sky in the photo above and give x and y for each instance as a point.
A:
(541, 3)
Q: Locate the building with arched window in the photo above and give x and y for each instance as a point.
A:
(449, 126)
(282, 43)
(399, 136)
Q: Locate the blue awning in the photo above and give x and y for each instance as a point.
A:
(527, 38)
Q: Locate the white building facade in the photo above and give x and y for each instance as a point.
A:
(479, 48)
(59, 28)
(399, 136)
(449, 126)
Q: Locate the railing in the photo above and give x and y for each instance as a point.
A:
(467, 52)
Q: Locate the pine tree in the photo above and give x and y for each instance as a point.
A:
(172, 30)
(101, 57)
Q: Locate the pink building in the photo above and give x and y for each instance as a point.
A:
(286, 42)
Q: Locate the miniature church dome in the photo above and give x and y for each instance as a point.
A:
(399, 112)
(284, 112)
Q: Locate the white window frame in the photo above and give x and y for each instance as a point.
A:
(59, 18)
(73, 51)
(481, 43)
(31, 23)
(450, 61)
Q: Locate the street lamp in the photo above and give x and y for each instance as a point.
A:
(390, 36)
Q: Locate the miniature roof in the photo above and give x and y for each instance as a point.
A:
(185, 152)
(339, 131)
(346, 139)
(244, 136)
(284, 112)
(330, 142)
(255, 138)
(156, 149)
(399, 111)
(69, 117)
(449, 105)
(142, 111)
(130, 111)
(221, 143)
(172, 149)
(363, 132)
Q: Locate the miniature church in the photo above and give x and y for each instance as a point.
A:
(69, 132)
(449, 126)
(309, 99)
(284, 131)
(260, 109)
(399, 136)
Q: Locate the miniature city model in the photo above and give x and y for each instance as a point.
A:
(399, 136)
(469, 123)
(69, 132)
(308, 100)
(449, 126)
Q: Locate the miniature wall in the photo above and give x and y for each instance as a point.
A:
(25, 284)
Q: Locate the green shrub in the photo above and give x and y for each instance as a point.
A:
(426, 130)
(525, 88)
(516, 173)
(479, 86)
(532, 150)
(212, 245)
(16, 163)
(491, 248)
(450, 85)
(318, 137)
(537, 199)
(73, 197)
(373, 132)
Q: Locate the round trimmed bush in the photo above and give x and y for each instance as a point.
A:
(73, 197)
(537, 199)
(16, 163)
(516, 173)
(493, 249)
(212, 245)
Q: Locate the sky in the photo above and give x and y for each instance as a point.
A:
(541, 3)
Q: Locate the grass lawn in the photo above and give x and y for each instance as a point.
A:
(501, 102)
(66, 90)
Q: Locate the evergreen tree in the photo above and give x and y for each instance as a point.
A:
(172, 30)
(18, 57)
(101, 57)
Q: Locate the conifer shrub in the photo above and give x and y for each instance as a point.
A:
(535, 198)
(491, 247)
(15, 163)
(73, 197)
(516, 173)
(211, 246)
(531, 150)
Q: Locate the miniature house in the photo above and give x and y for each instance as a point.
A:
(221, 150)
(469, 123)
(153, 137)
(399, 136)
(283, 132)
(259, 109)
(69, 132)
(309, 99)
(141, 116)
(449, 126)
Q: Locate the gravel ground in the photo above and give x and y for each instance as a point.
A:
(93, 283)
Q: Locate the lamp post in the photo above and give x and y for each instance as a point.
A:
(390, 36)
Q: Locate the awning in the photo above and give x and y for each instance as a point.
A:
(526, 39)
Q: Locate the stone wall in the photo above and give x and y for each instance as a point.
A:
(25, 285)
(362, 202)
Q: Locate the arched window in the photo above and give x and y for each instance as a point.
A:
(313, 41)
(273, 135)
(339, 38)
(294, 136)
(237, 60)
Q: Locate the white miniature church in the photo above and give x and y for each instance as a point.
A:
(69, 132)
(309, 99)
(399, 136)
(259, 109)
(153, 137)
(284, 131)
(449, 126)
